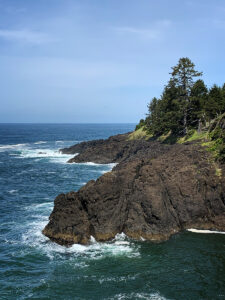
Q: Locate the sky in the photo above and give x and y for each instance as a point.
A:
(101, 61)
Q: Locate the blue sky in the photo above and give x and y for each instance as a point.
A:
(101, 61)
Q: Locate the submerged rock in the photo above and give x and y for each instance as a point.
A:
(154, 192)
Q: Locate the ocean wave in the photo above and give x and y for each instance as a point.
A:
(111, 165)
(12, 242)
(144, 296)
(40, 142)
(10, 147)
(92, 164)
(205, 231)
(62, 142)
(34, 238)
(41, 206)
(59, 142)
(103, 172)
(53, 155)
(117, 279)
(12, 191)
(26, 151)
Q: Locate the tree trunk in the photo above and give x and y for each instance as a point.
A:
(185, 122)
(199, 126)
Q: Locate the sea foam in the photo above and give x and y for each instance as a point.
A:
(32, 237)
(52, 155)
(111, 165)
(40, 142)
(143, 296)
(11, 147)
(204, 231)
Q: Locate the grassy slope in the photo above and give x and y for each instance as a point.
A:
(212, 137)
(138, 134)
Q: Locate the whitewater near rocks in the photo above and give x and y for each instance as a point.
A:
(154, 191)
(34, 267)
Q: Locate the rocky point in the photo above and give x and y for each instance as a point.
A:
(154, 191)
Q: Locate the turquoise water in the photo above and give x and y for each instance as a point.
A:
(32, 172)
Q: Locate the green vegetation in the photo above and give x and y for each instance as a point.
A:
(140, 125)
(217, 136)
(139, 133)
(193, 135)
(218, 172)
(188, 111)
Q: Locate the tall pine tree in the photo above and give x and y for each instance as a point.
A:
(214, 105)
(198, 100)
(183, 75)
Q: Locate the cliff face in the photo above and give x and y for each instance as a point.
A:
(115, 149)
(154, 192)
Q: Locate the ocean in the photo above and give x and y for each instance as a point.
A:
(32, 173)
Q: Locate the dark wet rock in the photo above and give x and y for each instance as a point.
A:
(155, 191)
(114, 149)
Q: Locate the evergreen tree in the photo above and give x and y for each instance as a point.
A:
(164, 113)
(184, 104)
(215, 103)
(223, 96)
(223, 89)
(198, 100)
(172, 118)
(153, 119)
(182, 75)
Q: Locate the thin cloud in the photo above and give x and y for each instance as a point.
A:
(27, 36)
(152, 33)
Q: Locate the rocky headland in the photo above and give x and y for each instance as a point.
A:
(154, 191)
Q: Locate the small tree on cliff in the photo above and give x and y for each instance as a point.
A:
(182, 76)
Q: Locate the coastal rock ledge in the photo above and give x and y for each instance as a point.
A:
(153, 192)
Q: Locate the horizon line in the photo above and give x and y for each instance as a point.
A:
(80, 123)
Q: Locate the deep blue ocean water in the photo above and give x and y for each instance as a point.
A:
(32, 173)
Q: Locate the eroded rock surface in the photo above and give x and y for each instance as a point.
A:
(115, 149)
(154, 192)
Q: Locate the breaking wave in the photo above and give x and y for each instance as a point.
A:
(53, 155)
(204, 231)
(40, 142)
(143, 296)
(11, 147)
(111, 165)
(32, 236)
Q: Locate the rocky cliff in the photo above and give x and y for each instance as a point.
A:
(115, 149)
(155, 191)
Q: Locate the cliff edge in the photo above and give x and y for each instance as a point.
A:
(154, 191)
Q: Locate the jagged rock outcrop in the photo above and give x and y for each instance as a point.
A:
(155, 191)
(114, 149)
(98, 151)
